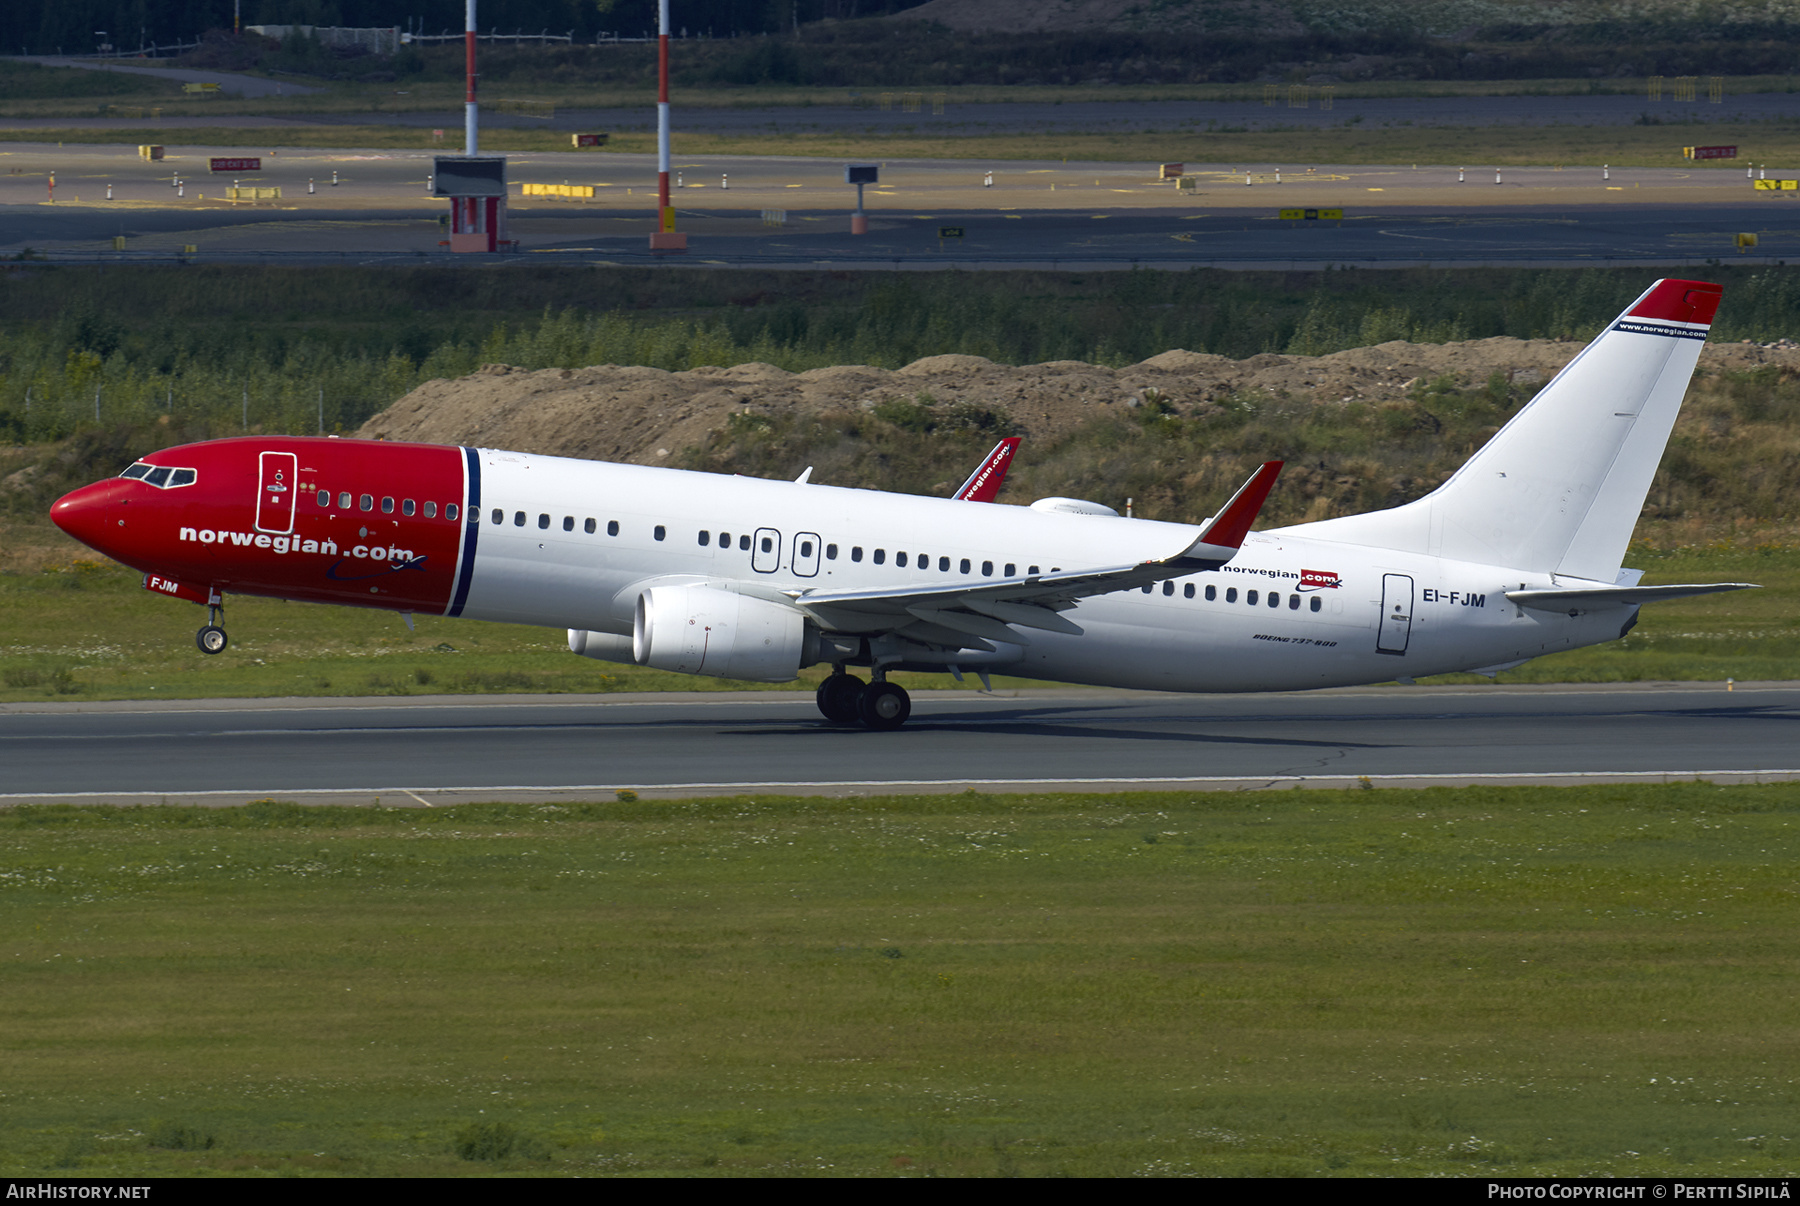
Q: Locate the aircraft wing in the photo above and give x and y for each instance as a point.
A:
(995, 608)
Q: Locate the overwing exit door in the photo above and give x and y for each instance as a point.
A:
(765, 552)
(1396, 614)
(806, 554)
(275, 491)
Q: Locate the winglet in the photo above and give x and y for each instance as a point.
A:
(984, 484)
(1224, 533)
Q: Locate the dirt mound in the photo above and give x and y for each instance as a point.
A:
(646, 415)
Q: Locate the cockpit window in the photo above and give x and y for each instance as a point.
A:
(160, 476)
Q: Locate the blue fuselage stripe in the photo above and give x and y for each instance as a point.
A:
(465, 572)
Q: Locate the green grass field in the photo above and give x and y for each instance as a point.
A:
(1514, 982)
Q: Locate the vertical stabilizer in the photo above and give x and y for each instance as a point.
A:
(1559, 488)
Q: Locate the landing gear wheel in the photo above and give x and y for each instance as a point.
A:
(839, 698)
(885, 706)
(211, 639)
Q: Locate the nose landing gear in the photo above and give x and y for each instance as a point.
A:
(212, 638)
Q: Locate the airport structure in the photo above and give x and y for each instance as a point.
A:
(474, 185)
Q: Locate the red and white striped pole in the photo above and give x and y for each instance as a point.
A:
(665, 214)
(469, 99)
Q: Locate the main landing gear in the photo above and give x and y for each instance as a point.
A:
(212, 638)
(845, 699)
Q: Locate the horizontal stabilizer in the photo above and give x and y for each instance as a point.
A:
(1582, 598)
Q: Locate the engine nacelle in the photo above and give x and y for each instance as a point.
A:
(699, 630)
(602, 646)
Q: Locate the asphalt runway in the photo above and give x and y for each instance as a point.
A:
(900, 238)
(444, 750)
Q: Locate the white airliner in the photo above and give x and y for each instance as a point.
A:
(1517, 555)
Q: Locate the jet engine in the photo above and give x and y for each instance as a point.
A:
(699, 630)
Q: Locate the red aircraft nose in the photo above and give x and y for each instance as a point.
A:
(96, 515)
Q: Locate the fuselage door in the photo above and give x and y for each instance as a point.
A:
(806, 555)
(765, 551)
(275, 491)
(1396, 614)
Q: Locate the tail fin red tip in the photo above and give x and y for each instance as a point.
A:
(984, 484)
(1680, 301)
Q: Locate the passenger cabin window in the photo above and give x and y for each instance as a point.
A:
(705, 537)
(344, 501)
(1031, 571)
(1315, 602)
(406, 506)
(431, 511)
(499, 515)
(366, 502)
(943, 565)
(831, 552)
(880, 556)
(568, 523)
(588, 527)
(1293, 602)
(856, 552)
(806, 548)
(743, 544)
(543, 520)
(387, 506)
(1212, 592)
(1231, 594)
(518, 519)
(324, 498)
(660, 532)
(1168, 588)
(1012, 571)
(899, 559)
(1187, 590)
(1250, 598)
(450, 513)
(987, 569)
(612, 527)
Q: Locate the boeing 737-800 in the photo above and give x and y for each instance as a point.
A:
(1518, 554)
